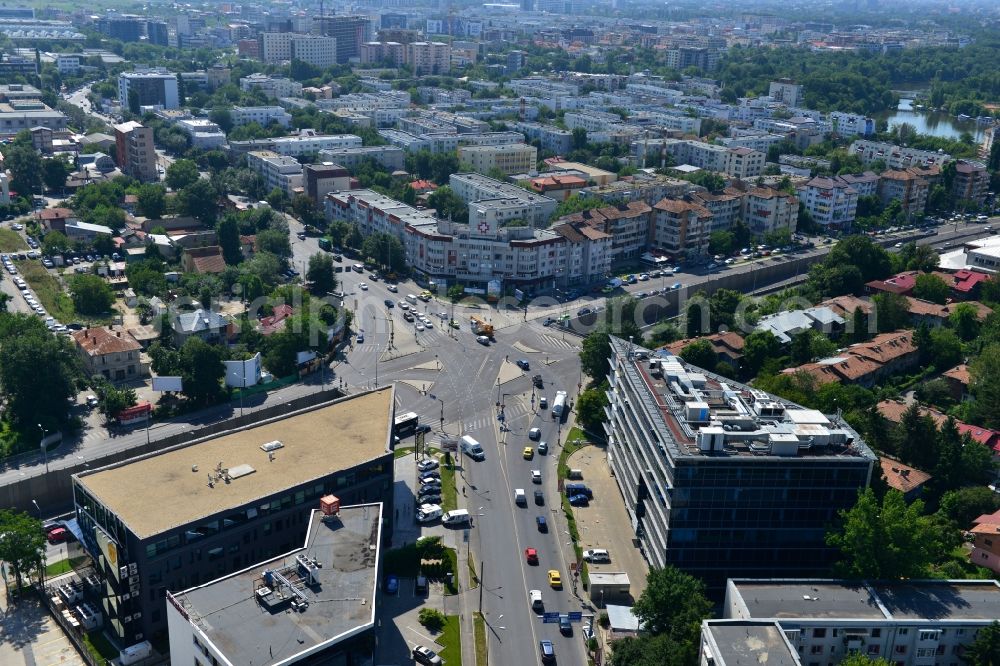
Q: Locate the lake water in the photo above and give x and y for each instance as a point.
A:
(933, 123)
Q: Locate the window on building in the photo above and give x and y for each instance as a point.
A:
(819, 633)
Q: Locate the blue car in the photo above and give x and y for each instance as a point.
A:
(579, 500)
(392, 585)
(543, 526)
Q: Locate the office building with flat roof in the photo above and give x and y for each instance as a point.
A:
(188, 515)
(475, 187)
(155, 87)
(349, 31)
(330, 585)
(793, 622)
(721, 479)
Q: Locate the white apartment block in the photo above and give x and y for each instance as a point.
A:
(803, 622)
(316, 50)
(475, 187)
(278, 171)
(851, 124)
(275, 47)
(509, 159)
(428, 57)
(744, 163)
(262, 115)
(787, 92)
(591, 121)
(831, 202)
(68, 64)
(308, 143)
(376, 53)
(275, 87)
(588, 253)
(726, 208)
(444, 251)
(204, 134)
(759, 141)
(896, 157)
(496, 213)
(667, 121)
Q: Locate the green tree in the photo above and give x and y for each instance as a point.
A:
(55, 242)
(152, 200)
(915, 438)
(964, 320)
(182, 173)
(891, 312)
(201, 371)
(885, 541)
(913, 257)
(199, 200)
(595, 350)
(55, 171)
(22, 543)
(25, 167)
(858, 659)
(759, 347)
(590, 407)
(984, 370)
(801, 348)
(274, 241)
(985, 649)
(385, 250)
(229, 240)
(930, 287)
(652, 651)
(720, 242)
(448, 204)
(963, 505)
(37, 372)
(700, 353)
(320, 274)
(221, 116)
(945, 350)
(146, 277)
(112, 400)
(673, 604)
(91, 294)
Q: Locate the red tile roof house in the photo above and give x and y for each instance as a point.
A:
(906, 479)
(865, 363)
(276, 322)
(986, 541)
(901, 283)
(934, 315)
(958, 379)
(728, 347)
(893, 410)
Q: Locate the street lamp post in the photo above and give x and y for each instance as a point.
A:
(377, 351)
(45, 451)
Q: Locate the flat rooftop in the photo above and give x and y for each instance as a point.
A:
(932, 600)
(750, 643)
(947, 600)
(809, 599)
(160, 491)
(253, 629)
(704, 414)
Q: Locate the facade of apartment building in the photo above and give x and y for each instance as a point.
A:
(136, 152)
(428, 57)
(831, 202)
(280, 171)
(150, 88)
(971, 183)
(681, 228)
(509, 159)
(262, 115)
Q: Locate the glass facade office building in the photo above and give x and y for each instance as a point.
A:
(722, 480)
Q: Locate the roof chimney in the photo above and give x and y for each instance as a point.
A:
(86, 332)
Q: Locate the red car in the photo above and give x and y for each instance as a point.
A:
(531, 555)
(58, 535)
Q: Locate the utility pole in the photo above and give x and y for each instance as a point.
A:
(482, 584)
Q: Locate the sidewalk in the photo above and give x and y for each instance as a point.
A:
(30, 636)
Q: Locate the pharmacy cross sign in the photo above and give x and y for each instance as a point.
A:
(484, 227)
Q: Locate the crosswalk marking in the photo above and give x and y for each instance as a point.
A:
(558, 342)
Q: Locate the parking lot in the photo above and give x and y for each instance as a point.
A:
(31, 637)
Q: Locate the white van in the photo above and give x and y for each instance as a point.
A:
(428, 512)
(472, 448)
(535, 599)
(411, 298)
(456, 517)
(519, 497)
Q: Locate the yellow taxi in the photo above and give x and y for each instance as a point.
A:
(529, 453)
(555, 580)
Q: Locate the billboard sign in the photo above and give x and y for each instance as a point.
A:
(164, 384)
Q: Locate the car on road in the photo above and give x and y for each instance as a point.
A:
(541, 523)
(539, 498)
(523, 364)
(58, 535)
(555, 579)
(565, 626)
(403, 305)
(547, 651)
(538, 382)
(534, 434)
(420, 327)
(373, 277)
(528, 453)
(92, 401)
(583, 311)
(536, 476)
(675, 286)
(426, 656)
(427, 323)
(579, 500)
(482, 339)
(543, 403)
(597, 556)
(543, 447)
(363, 287)
(531, 556)
(519, 497)
(423, 427)
(427, 465)
(898, 245)
(360, 339)
(392, 288)
(389, 304)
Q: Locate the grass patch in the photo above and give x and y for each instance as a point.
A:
(451, 563)
(403, 451)
(479, 630)
(62, 566)
(449, 493)
(12, 442)
(11, 241)
(450, 640)
(99, 647)
(575, 441)
(48, 290)
(405, 562)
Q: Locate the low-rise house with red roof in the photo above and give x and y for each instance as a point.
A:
(110, 353)
(902, 477)
(728, 347)
(203, 260)
(986, 541)
(958, 379)
(275, 322)
(934, 315)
